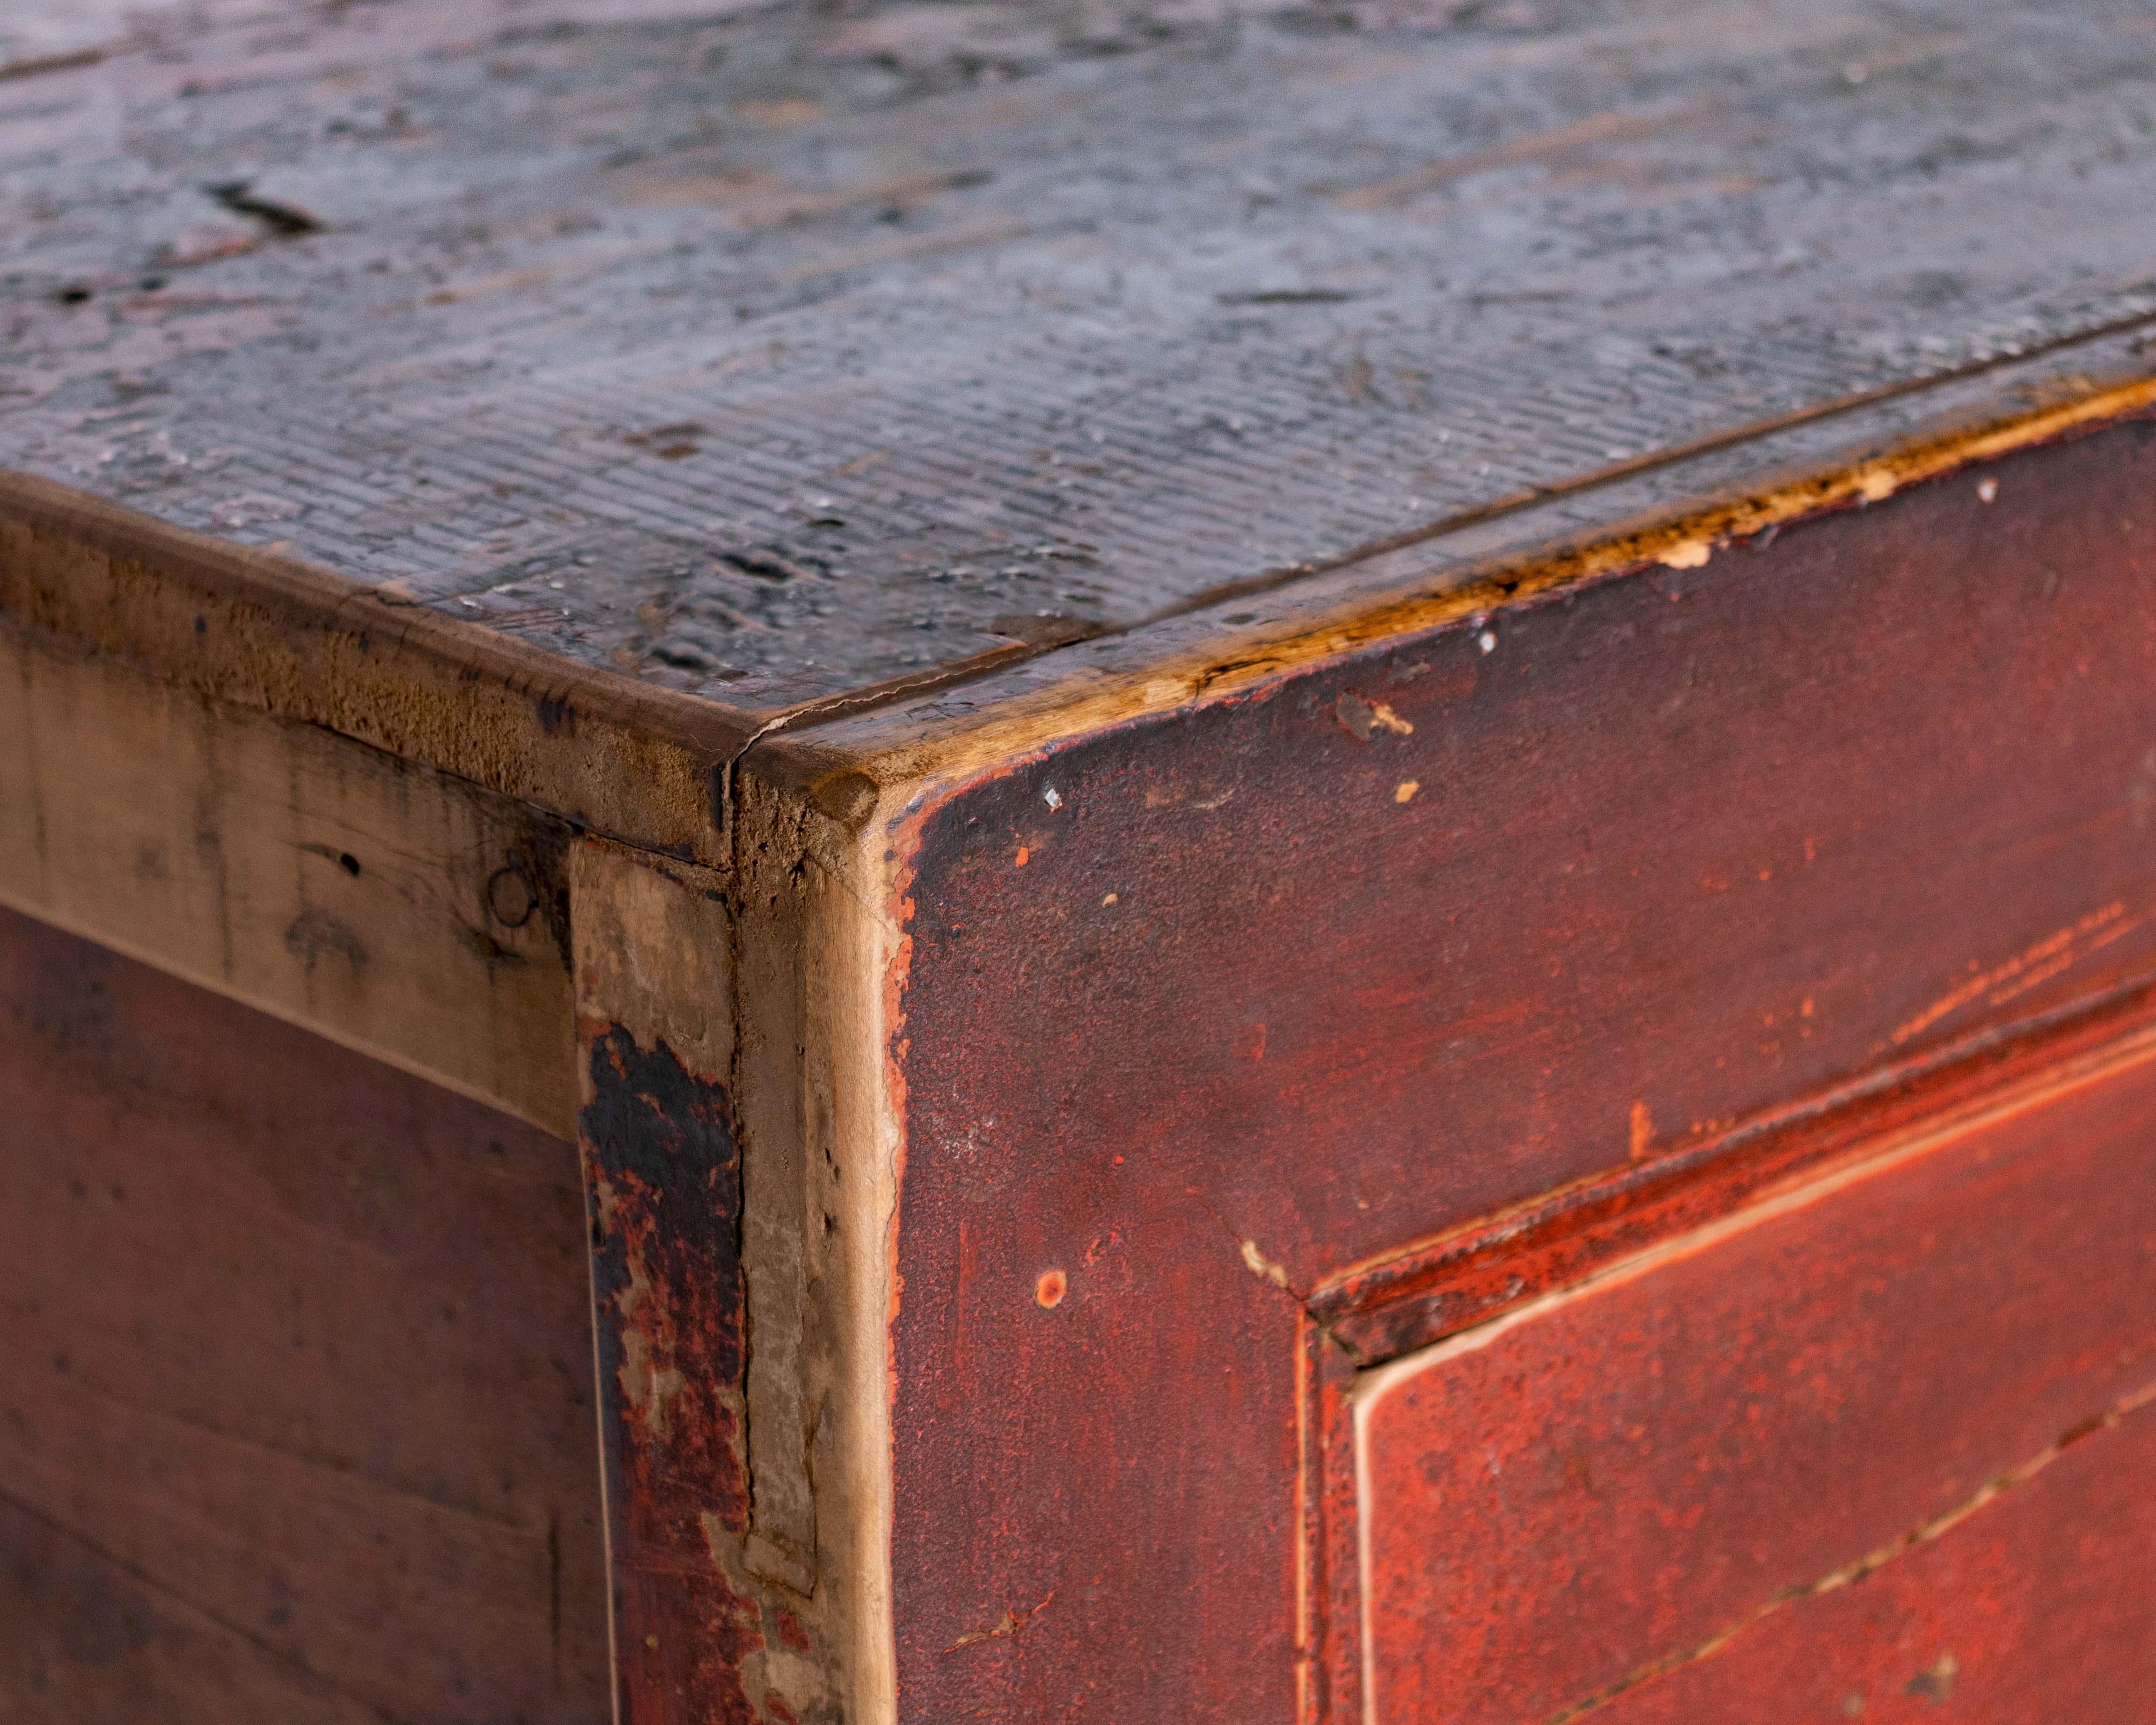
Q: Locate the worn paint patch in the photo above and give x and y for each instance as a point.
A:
(2034, 965)
(1010, 1623)
(1363, 719)
(1261, 1265)
(663, 1172)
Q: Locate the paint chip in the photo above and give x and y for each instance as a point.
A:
(1051, 798)
(1405, 792)
(1263, 1266)
(1109, 899)
(1987, 489)
(1023, 855)
(1875, 484)
(1049, 1292)
(1937, 1684)
(1010, 1623)
(1486, 641)
(1643, 1130)
(1362, 719)
(1686, 554)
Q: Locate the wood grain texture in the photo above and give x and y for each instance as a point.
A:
(2035, 1609)
(1562, 1505)
(296, 1413)
(1319, 968)
(1255, 648)
(720, 1611)
(86, 1638)
(775, 354)
(254, 629)
(396, 909)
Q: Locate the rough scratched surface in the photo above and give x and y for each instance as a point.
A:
(664, 1176)
(774, 352)
(2036, 1609)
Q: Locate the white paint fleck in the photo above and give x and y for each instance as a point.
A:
(1486, 641)
(1987, 489)
(1051, 797)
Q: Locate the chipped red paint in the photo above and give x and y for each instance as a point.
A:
(663, 1180)
(1380, 1311)
(1576, 1502)
(792, 1633)
(1331, 1678)
(1691, 850)
(2036, 1609)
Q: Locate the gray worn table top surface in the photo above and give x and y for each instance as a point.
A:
(771, 352)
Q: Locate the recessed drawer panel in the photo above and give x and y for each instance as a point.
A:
(1878, 1443)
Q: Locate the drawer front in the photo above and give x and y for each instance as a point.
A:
(1878, 1443)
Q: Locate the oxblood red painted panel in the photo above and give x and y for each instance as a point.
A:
(1556, 1503)
(1683, 846)
(2038, 1610)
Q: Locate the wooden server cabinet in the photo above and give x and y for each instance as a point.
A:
(1049, 863)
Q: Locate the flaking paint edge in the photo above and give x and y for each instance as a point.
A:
(1372, 1386)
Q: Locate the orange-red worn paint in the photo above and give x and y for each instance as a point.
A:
(1690, 849)
(1432, 1290)
(1587, 1497)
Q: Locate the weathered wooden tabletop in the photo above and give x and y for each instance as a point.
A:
(1198, 742)
(777, 352)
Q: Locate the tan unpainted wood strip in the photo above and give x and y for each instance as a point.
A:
(252, 628)
(390, 907)
(772, 975)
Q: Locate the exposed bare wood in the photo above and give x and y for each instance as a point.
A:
(691, 1141)
(389, 905)
(254, 629)
(919, 323)
(1126, 710)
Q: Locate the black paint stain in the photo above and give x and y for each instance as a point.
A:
(662, 1140)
